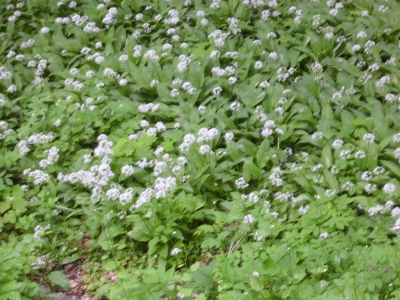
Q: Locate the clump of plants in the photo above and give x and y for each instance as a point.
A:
(200, 149)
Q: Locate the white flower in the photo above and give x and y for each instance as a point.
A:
(303, 209)
(395, 212)
(12, 88)
(361, 35)
(379, 170)
(375, 210)
(204, 22)
(345, 154)
(369, 138)
(99, 59)
(356, 48)
(174, 92)
(366, 176)
(241, 183)
(127, 170)
(323, 236)
(370, 188)
(232, 80)
(337, 144)
(248, 219)
(258, 65)
(229, 136)
(217, 90)
(175, 251)
(360, 154)
(316, 67)
(389, 188)
(204, 149)
(273, 55)
(235, 106)
(396, 226)
(202, 109)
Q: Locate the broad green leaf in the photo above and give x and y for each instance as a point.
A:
(331, 179)
(250, 169)
(270, 267)
(58, 278)
(394, 168)
(379, 121)
(372, 156)
(261, 156)
(327, 156)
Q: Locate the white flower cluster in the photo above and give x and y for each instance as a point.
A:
(284, 74)
(79, 20)
(144, 197)
(220, 72)
(219, 37)
(91, 27)
(29, 43)
(23, 148)
(144, 108)
(233, 25)
(241, 183)
(109, 17)
(39, 231)
(52, 157)
(275, 177)
(267, 131)
(127, 170)
(126, 197)
(252, 198)
(151, 55)
(206, 135)
(38, 176)
(40, 138)
(380, 209)
(175, 251)
(248, 219)
(173, 17)
(105, 146)
(281, 197)
(4, 73)
(4, 131)
(184, 62)
(98, 175)
(163, 185)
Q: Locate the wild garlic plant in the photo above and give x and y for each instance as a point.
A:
(232, 149)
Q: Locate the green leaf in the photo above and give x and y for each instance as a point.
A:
(70, 259)
(10, 286)
(372, 156)
(379, 120)
(196, 75)
(228, 271)
(261, 156)
(270, 267)
(4, 206)
(332, 181)
(118, 147)
(249, 169)
(58, 278)
(327, 156)
(395, 169)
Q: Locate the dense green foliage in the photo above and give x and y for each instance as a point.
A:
(200, 149)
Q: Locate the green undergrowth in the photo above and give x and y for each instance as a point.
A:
(200, 149)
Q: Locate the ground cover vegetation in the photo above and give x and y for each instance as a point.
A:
(200, 149)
